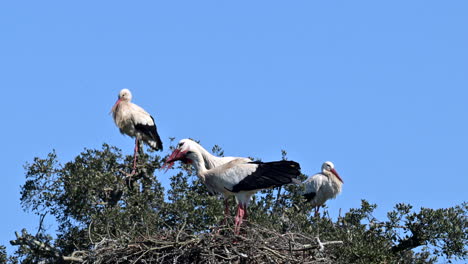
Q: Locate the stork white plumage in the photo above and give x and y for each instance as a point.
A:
(135, 122)
(322, 186)
(240, 177)
(211, 162)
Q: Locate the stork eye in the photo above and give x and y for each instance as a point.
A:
(181, 144)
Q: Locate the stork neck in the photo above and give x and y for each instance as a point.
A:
(209, 160)
(199, 163)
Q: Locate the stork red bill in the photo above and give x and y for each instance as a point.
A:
(337, 175)
(115, 105)
(176, 155)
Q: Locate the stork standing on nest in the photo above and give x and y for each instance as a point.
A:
(322, 186)
(135, 122)
(211, 162)
(240, 177)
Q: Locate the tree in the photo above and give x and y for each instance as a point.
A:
(106, 215)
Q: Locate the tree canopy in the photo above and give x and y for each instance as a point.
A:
(107, 215)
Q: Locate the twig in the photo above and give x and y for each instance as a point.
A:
(219, 256)
(276, 253)
(72, 259)
(180, 230)
(89, 232)
(41, 220)
(141, 256)
(322, 245)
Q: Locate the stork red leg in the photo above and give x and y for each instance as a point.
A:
(239, 217)
(135, 153)
(224, 222)
(317, 211)
(237, 220)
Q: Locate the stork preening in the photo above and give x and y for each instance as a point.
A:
(135, 122)
(322, 186)
(240, 177)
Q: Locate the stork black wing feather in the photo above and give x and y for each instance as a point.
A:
(151, 132)
(269, 174)
(309, 196)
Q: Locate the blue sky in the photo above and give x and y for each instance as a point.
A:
(379, 88)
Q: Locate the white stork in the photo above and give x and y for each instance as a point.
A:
(240, 177)
(134, 121)
(211, 162)
(322, 186)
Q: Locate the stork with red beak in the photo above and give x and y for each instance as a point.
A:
(322, 186)
(240, 177)
(135, 122)
(211, 162)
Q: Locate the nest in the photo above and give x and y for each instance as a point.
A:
(254, 245)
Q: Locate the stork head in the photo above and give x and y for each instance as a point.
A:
(185, 152)
(329, 168)
(124, 95)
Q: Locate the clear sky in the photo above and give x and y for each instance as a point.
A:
(378, 87)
